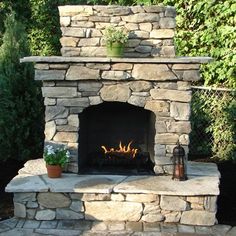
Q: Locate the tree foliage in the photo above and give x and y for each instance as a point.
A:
(20, 105)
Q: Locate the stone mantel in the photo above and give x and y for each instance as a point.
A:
(160, 60)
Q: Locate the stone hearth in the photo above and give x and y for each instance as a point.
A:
(116, 198)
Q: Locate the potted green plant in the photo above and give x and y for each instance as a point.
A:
(116, 38)
(55, 160)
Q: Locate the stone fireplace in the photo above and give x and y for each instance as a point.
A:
(150, 83)
(93, 103)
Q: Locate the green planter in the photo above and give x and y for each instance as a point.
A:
(115, 50)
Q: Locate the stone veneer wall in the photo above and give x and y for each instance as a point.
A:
(162, 88)
(117, 207)
(151, 29)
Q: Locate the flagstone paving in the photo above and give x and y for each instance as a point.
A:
(20, 227)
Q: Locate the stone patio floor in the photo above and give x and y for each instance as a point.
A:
(19, 227)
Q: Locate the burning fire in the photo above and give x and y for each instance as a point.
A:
(123, 150)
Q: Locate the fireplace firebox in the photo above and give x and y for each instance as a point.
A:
(116, 138)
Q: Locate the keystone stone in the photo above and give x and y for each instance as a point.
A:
(117, 92)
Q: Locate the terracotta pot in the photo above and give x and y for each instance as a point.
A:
(54, 171)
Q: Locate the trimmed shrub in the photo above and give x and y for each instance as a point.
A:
(21, 110)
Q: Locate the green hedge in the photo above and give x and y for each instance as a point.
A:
(21, 108)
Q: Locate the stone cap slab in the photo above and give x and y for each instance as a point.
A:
(161, 60)
(203, 179)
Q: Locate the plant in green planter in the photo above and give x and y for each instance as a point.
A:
(116, 38)
(55, 159)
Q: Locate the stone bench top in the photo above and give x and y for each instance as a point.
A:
(60, 59)
(203, 179)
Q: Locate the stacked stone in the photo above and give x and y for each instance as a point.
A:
(123, 208)
(151, 29)
(164, 89)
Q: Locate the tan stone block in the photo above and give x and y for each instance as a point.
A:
(167, 23)
(117, 197)
(157, 106)
(162, 33)
(180, 111)
(153, 207)
(184, 85)
(69, 41)
(166, 138)
(71, 137)
(152, 72)
(82, 73)
(82, 24)
(96, 197)
(185, 67)
(89, 42)
(140, 86)
(172, 95)
(70, 51)
(120, 93)
(49, 101)
(107, 211)
(115, 75)
(194, 217)
(41, 66)
(172, 217)
(142, 197)
(145, 26)
(168, 51)
(73, 32)
(71, 10)
(173, 203)
(93, 51)
(59, 92)
(137, 100)
(178, 127)
(122, 66)
(65, 21)
(50, 130)
(141, 17)
(152, 217)
(139, 34)
(184, 139)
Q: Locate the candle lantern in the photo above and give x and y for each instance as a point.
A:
(179, 170)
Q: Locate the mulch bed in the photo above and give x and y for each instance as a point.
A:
(226, 202)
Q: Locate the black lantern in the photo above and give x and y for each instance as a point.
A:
(179, 170)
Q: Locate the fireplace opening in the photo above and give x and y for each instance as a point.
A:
(116, 138)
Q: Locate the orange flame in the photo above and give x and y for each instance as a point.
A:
(126, 150)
